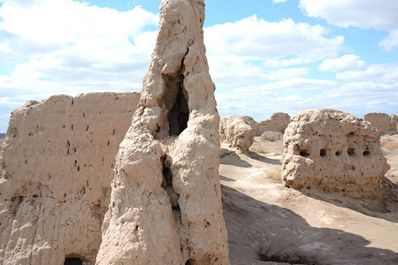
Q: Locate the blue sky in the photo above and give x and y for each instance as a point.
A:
(264, 55)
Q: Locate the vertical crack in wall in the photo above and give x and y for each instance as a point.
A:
(167, 184)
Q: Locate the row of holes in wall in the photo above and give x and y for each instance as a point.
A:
(323, 153)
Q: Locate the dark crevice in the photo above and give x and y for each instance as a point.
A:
(67, 147)
(176, 104)
(304, 153)
(351, 151)
(15, 202)
(73, 261)
(190, 262)
(167, 183)
(322, 153)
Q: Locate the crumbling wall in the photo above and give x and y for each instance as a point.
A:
(57, 163)
(237, 132)
(384, 123)
(166, 201)
(277, 123)
(332, 151)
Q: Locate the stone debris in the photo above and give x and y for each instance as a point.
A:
(332, 151)
(384, 123)
(165, 204)
(237, 132)
(57, 164)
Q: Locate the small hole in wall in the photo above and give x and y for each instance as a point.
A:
(322, 153)
(351, 151)
(366, 153)
(304, 153)
(73, 261)
(338, 153)
(351, 134)
(190, 262)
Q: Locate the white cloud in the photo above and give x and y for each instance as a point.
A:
(64, 46)
(257, 39)
(288, 73)
(380, 14)
(63, 22)
(368, 14)
(343, 63)
(377, 73)
(251, 51)
(391, 42)
(279, 1)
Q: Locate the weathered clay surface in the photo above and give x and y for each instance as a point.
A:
(166, 204)
(277, 123)
(237, 132)
(335, 152)
(384, 123)
(56, 169)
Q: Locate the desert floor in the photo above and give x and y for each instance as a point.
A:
(271, 224)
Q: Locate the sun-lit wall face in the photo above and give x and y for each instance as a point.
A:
(57, 164)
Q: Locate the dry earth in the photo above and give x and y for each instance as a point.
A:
(271, 224)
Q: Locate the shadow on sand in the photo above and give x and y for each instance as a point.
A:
(264, 159)
(260, 234)
(386, 209)
(229, 157)
(224, 178)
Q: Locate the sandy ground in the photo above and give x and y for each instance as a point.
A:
(271, 224)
